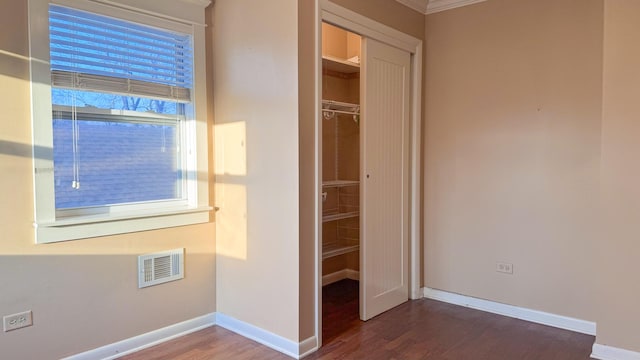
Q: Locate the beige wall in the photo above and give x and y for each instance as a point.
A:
(512, 141)
(257, 171)
(83, 293)
(388, 12)
(617, 266)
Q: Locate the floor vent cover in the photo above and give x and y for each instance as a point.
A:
(160, 267)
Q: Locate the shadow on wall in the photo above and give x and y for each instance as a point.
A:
(91, 292)
(14, 65)
(12, 148)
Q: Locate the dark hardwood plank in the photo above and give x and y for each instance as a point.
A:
(340, 309)
(419, 329)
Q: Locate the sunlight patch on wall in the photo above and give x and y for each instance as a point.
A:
(230, 149)
(230, 192)
(231, 221)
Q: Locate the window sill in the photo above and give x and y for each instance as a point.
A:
(81, 227)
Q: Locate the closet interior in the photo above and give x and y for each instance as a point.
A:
(340, 154)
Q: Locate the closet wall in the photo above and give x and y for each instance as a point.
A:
(341, 150)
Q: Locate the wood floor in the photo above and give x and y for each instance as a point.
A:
(419, 329)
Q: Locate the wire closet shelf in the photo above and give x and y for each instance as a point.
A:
(330, 109)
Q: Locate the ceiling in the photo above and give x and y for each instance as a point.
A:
(433, 6)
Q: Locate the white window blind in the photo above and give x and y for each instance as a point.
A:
(92, 52)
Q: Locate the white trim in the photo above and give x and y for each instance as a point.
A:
(203, 3)
(264, 337)
(128, 13)
(137, 343)
(51, 234)
(417, 5)
(307, 347)
(435, 6)
(415, 212)
(317, 62)
(354, 22)
(152, 338)
(540, 317)
(152, 9)
(604, 352)
(340, 275)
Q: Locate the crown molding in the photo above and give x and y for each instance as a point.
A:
(435, 6)
(203, 3)
(417, 5)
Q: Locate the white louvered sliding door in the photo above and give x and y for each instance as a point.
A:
(385, 178)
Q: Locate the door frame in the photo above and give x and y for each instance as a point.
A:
(366, 27)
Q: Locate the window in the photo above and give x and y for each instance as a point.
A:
(118, 137)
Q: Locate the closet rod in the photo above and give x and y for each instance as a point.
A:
(328, 114)
(341, 112)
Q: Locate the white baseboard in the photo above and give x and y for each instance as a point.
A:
(137, 343)
(540, 317)
(308, 347)
(140, 342)
(264, 337)
(604, 352)
(340, 275)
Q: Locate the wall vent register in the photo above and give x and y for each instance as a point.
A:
(160, 267)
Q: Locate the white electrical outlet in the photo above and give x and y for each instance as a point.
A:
(504, 267)
(17, 321)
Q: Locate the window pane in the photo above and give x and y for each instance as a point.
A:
(90, 99)
(116, 162)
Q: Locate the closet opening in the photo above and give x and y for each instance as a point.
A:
(341, 120)
(368, 126)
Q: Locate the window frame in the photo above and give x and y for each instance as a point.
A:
(51, 226)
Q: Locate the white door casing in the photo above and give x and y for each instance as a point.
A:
(384, 256)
